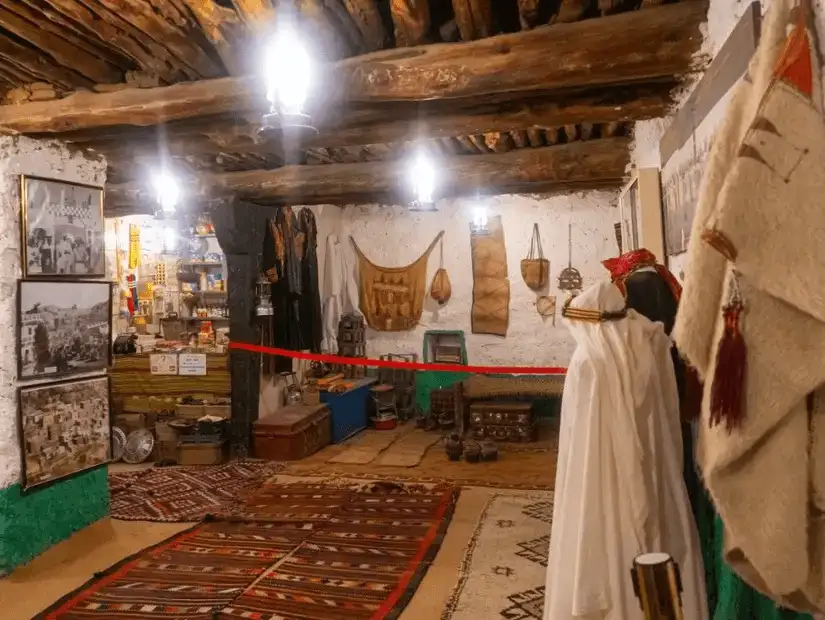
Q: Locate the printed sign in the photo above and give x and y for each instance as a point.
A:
(163, 364)
(192, 364)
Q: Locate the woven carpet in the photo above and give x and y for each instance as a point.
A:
(185, 577)
(503, 573)
(287, 551)
(183, 494)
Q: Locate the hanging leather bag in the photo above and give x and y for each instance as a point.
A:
(535, 269)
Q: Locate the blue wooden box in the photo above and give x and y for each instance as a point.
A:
(348, 409)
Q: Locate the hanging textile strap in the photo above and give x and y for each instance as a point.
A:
(425, 255)
(535, 244)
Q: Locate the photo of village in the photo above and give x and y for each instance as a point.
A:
(65, 429)
(64, 327)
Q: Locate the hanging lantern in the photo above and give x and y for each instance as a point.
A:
(288, 68)
(478, 226)
(167, 193)
(422, 179)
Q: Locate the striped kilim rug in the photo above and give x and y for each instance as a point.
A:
(181, 494)
(185, 577)
(365, 563)
(307, 551)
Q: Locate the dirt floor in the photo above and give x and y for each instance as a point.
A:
(520, 466)
(71, 563)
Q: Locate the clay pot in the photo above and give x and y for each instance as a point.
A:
(453, 447)
(472, 452)
(489, 451)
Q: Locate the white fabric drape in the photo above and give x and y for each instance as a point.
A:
(619, 487)
(339, 292)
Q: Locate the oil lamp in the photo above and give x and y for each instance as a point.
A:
(167, 193)
(422, 178)
(288, 68)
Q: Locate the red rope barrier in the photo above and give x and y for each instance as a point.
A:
(364, 361)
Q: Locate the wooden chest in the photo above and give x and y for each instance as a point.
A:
(503, 421)
(292, 433)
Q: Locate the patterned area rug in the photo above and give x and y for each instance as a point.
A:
(184, 577)
(290, 551)
(503, 573)
(183, 494)
(364, 563)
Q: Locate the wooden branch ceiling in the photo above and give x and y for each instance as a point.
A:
(508, 95)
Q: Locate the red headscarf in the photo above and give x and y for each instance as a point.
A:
(629, 262)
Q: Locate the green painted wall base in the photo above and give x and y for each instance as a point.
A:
(32, 522)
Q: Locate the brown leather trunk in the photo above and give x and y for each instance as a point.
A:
(292, 433)
(503, 421)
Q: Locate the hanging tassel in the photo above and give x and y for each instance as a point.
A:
(728, 390)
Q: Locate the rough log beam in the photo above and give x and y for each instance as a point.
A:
(580, 164)
(411, 19)
(367, 18)
(474, 18)
(215, 135)
(621, 49)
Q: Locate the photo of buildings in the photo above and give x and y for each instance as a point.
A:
(64, 429)
(64, 328)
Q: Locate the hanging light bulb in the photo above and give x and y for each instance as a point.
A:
(167, 192)
(479, 224)
(288, 68)
(422, 177)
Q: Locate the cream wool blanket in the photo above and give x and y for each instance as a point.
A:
(764, 191)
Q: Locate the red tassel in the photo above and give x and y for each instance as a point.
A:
(728, 390)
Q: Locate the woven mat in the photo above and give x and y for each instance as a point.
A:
(503, 573)
(409, 449)
(364, 563)
(184, 577)
(354, 551)
(366, 446)
(182, 494)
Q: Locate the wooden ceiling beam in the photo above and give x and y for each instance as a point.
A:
(581, 164)
(217, 135)
(617, 50)
(368, 20)
(412, 21)
(474, 18)
(63, 47)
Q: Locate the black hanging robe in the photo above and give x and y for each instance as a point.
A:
(283, 249)
(311, 318)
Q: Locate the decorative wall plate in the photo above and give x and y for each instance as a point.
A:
(118, 443)
(139, 445)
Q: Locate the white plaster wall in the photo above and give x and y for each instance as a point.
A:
(723, 15)
(393, 236)
(49, 159)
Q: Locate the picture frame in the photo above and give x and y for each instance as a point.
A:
(64, 328)
(61, 229)
(48, 451)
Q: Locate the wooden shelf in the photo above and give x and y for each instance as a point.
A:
(200, 264)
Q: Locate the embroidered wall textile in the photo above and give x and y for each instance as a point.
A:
(392, 298)
(490, 313)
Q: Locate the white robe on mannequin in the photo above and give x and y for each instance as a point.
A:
(619, 487)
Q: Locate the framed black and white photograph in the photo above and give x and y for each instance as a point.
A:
(62, 229)
(65, 429)
(64, 328)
